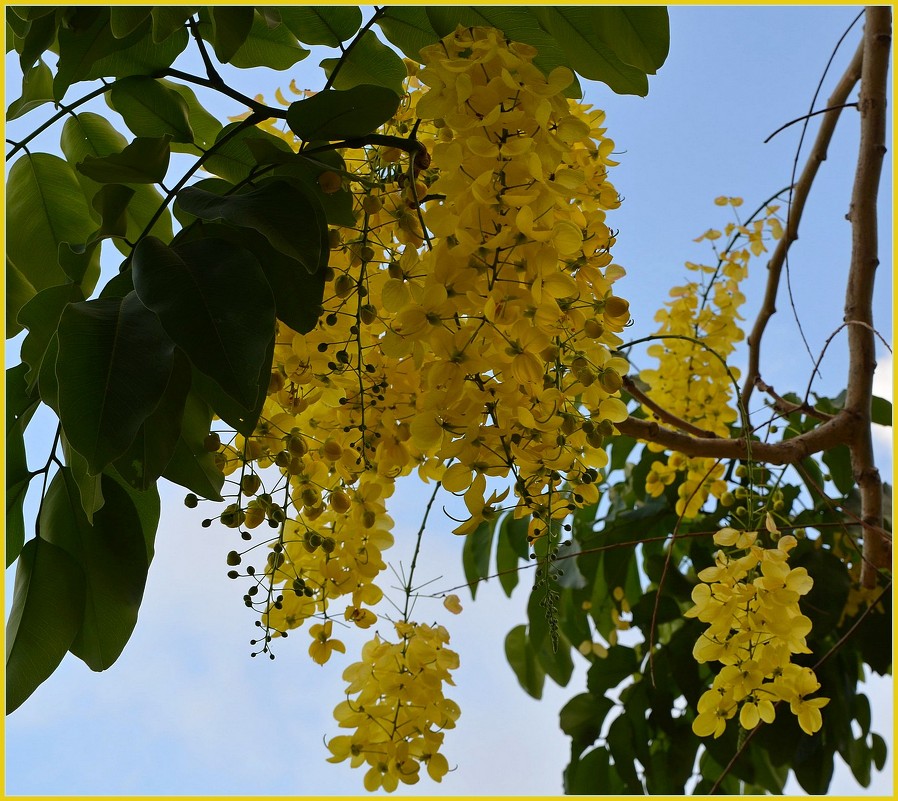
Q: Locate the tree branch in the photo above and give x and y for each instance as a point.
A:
(861, 276)
(802, 188)
(662, 414)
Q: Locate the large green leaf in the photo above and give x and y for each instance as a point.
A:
(369, 62)
(142, 56)
(284, 214)
(44, 207)
(90, 487)
(409, 28)
(170, 19)
(41, 317)
(150, 108)
(230, 27)
(113, 557)
(191, 465)
(37, 89)
(342, 114)
(111, 202)
(154, 444)
(113, 366)
(275, 48)
(215, 303)
(581, 719)
(143, 161)
(638, 35)
(205, 126)
(46, 615)
(590, 57)
(89, 134)
(511, 547)
(20, 407)
(125, 19)
(234, 160)
(476, 555)
(524, 663)
(322, 25)
(81, 47)
(607, 673)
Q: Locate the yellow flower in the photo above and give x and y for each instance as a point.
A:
(322, 646)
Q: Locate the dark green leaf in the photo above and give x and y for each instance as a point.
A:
(342, 114)
(144, 161)
(142, 56)
(147, 506)
(881, 410)
(297, 294)
(826, 600)
(46, 382)
(46, 615)
(557, 663)
(150, 108)
(511, 541)
(205, 126)
(322, 25)
(90, 488)
(607, 673)
(170, 19)
(879, 751)
(40, 37)
(79, 48)
(859, 760)
(638, 35)
(369, 62)
(591, 775)
(409, 28)
(571, 26)
(338, 206)
(125, 19)
(275, 48)
(815, 770)
(81, 262)
(113, 366)
(111, 202)
(862, 713)
(191, 465)
(154, 444)
(581, 719)
(89, 134)
(215, 303)
(234, 160)
(284, 214)
(476, 555)
(44, 207)
(113, 557)
(230, 27)
(620, 744)
(838, 460)
(37, 89)
(20, 407)
(523, 662)
(41, 317)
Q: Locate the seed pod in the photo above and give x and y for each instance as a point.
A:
(212, 442)
(250, 484)
(233, 558)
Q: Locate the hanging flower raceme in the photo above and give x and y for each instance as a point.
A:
(749, 599)
(699, 330)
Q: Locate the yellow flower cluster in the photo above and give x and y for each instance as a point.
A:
(750, 598)
(700, 330)
(467, 333)
(396, 706)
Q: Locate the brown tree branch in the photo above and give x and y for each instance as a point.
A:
(783, 406)
(861, 275)
(802, 188)
(841, 429)
(662, 414)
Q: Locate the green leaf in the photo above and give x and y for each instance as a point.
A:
(234, 160)
(205, 126)
(20, 407)
(591, 775)
(154, 444)
(150, 108)
(338, 206)
(607, 673)
(46, 615)
(37, 89)
(79, 48)
(148, 508)
(879, 750)
(558, 664)
(838, 460)
(572, 26)
(144, 161)
(859, 760)
(230, 27)
(44, 207)
(191, 465)
(638, 35)
(90, 488)
(511, 547)
(284, 214)
(48, 386)
(170, 19)
(409, 28)
(476, 555)
(297, 294)
(89, 134)
(523, 662)
(881, 410)
(41, 317)
(275, 48)
(215, 303)
(113, 557)
(581, 719)
(345, 114)
(113, 366)
(142, 56)
(40, 37)
(620, 744)
(111, 202)
(125, 19)
(369, 62)
(322, 25)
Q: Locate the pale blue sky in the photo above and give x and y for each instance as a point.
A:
(186, 711)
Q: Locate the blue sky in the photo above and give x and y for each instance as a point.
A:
(186, 711)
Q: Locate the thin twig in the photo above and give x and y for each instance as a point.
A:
(807, 117)
(785, 407)
(802, 188)
(662, 414)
